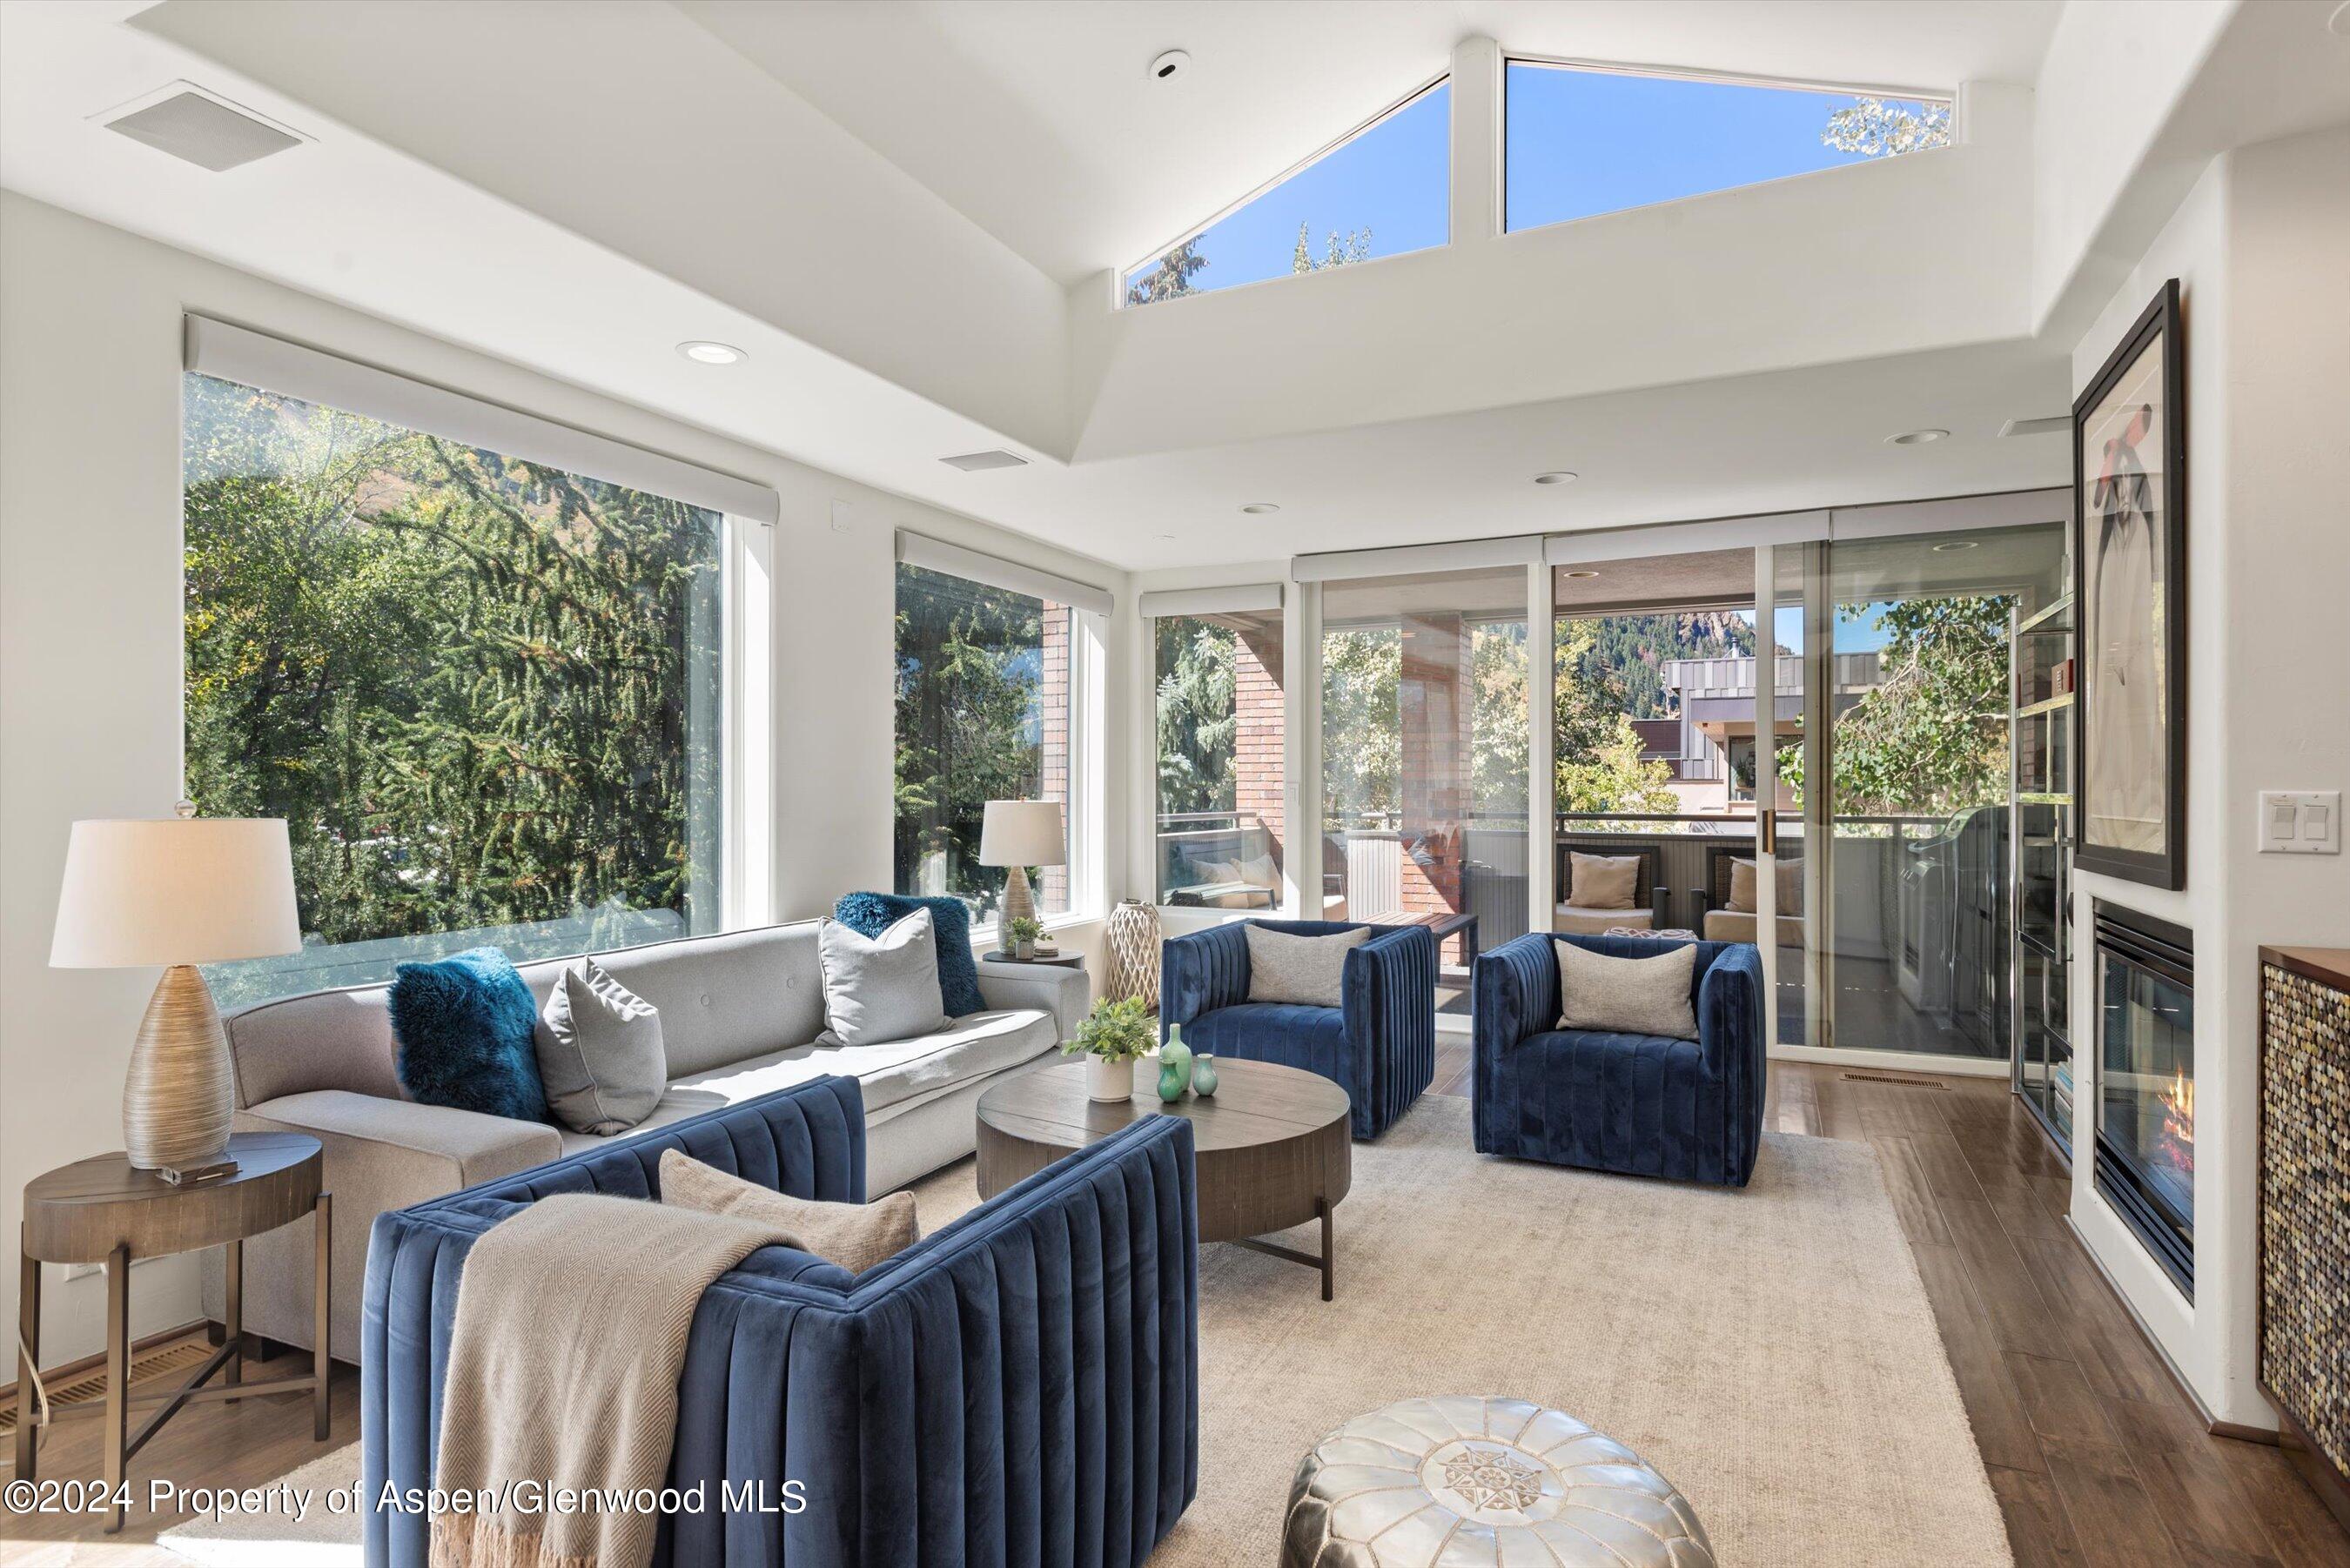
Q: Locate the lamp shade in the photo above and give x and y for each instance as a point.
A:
(178, 890)
(1022, 833)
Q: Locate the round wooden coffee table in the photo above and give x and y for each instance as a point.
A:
(1271, 1149)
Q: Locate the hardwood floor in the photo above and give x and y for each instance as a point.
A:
(2095, 1456)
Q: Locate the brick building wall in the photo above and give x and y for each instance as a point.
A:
(1258, 730)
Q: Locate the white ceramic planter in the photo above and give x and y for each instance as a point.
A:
(1108, 1080)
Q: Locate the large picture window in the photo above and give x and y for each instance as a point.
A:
(484, 692)
(984, 684)
(1220, 731)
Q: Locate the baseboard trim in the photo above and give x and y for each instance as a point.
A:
(1890, 1061)
(2212, 1423)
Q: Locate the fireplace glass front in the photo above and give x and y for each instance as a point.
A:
(2145, 1082)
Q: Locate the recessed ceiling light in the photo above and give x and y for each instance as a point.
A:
(702, 352)
(1915, 437)
(1169, 66)
(1947, 546)
(2339, 21)
(1583, 572)
(1259, 508)
(1555, 476)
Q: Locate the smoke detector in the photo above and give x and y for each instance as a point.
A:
(199, 127)
(1175, 62)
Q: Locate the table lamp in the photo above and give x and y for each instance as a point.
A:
(1019, 834)
(177, 892)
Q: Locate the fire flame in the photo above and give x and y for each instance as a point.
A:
(2178, 1122)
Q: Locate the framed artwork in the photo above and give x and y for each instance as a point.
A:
(2129, 550)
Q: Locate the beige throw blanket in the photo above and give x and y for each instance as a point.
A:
(563, 1367)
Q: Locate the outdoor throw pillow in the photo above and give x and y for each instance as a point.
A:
(465, 1026)
(599, 1052)
(1741, 886)
(870, 914)
(1308, 970)
(1603, 881)
(1259, 871)
(1628, 995)
(879, 989)
(854, 1235)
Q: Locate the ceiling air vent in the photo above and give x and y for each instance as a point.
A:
(190, 124)
(2053, 424)
(980, 461)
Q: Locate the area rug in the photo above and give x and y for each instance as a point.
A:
(1770, 1350)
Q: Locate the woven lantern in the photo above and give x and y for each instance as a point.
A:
(1132, 937)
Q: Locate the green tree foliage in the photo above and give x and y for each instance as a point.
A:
(1630, 652)
(480, 690)
(969, 722)
(1339, 250)
(1171, 279)
(1198, 727)
(1930, 738)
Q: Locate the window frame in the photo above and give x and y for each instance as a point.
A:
(1082, 812)
(745, 648)
(1123, 277)
(1268, 600)
(1718, 79)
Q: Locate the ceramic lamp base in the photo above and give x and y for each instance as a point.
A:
(177, 1096)
(1019, 904)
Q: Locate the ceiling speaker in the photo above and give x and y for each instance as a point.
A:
(980, 461)
(202, 131)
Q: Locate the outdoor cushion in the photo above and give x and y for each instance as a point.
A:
(1592, 922)
(1742, 893)
(1603, 881)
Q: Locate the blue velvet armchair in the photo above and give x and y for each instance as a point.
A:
(1379, 1045)
(1021, 1387)
(1639, 1104)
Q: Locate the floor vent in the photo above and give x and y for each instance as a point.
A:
(90, 1387)
(1888, 1078)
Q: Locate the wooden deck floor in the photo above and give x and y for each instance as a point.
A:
(2095, 1455)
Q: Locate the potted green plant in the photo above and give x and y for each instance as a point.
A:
(1022, 933)
(1112, 1037)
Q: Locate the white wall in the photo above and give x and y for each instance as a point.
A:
(1896, 256)
(2258, 247)
(90, 659)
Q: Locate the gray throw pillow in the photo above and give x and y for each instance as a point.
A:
(1308, 970)
(879, 989)
(1628, 995)
(599, 1052)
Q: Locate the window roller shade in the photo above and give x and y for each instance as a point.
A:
(1461, 555)
(973, 566)
(252, 358)
(1252, 599)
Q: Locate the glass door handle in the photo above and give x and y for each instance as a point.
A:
(1766, 832)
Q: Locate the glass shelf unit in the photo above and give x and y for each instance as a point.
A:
(2041, 739)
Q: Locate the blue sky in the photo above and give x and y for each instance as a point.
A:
(1577, 143)
(1395, 180)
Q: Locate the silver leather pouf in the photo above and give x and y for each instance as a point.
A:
(1463, 1479)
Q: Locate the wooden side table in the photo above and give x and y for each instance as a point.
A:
(100, 1210)
(1056, 961)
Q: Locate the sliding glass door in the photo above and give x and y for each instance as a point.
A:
(1424, 760)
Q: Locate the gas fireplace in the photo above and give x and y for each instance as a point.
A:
(2146, 1082)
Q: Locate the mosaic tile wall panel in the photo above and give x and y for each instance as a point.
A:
(2306, 1206)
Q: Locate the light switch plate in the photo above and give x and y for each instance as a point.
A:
(2300, 822)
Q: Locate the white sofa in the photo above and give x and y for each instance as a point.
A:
(739, 1016)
